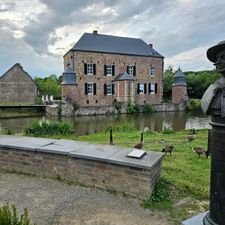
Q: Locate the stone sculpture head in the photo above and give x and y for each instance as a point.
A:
(216, 54)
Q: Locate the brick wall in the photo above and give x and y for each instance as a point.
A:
(124, 179)
(143, 65)
(17, 86)
(179, 93)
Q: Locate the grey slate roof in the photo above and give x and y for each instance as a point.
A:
(113, 44)
(179, 79)
(69, 76)
(123, 76)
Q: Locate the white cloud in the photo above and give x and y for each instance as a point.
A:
(38, 33)
(194, 59)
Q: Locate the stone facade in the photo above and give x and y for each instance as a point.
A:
(17, 86)
(179, 94)
(143, 64)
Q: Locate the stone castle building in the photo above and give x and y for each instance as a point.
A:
(103, 69)
(16, 86)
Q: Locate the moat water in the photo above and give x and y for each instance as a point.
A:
(93, 124)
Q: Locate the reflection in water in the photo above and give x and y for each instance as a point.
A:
(93, 124)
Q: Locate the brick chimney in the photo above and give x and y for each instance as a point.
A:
(95, 32)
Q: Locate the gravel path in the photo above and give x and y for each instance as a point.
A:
(52, 202)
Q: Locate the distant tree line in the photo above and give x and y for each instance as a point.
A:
(197, 82)
(49, 85)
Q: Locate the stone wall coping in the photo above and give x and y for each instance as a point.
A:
(84, 150)
(196, 220)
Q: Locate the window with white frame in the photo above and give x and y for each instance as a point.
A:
(152, 71)
(108, 70)
(141, 89)
(109, 89)
(90, 70)
(152, 88)
(90, 89)
(131, 70)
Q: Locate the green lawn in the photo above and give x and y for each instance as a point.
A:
(185, 177)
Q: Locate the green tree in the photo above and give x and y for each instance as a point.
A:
(167, 83)
(49, 85)
(198, 82)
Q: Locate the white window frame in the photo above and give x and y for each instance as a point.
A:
(90, 69)
(152, 88)
(152, 72)
(141, 89)
(108, 89)
(108, 70)
(131, 70)
(90, 88)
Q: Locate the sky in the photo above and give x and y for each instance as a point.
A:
(37, 33)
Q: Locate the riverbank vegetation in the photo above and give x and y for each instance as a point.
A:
(47, 128)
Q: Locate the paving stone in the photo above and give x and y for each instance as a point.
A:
(196, 220)
(23, 143)
(62, 147)
(94, 152)
(146, 162)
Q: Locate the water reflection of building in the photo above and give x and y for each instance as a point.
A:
(93, 124)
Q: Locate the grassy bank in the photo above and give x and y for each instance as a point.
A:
(184, 188)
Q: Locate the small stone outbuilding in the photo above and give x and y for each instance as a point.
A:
(17, 86)
(179, 88)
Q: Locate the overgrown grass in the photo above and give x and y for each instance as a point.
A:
(8, 216)
(47, 128)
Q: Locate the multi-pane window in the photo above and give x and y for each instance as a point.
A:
(153, 88)
(90, 89)
(152, 71)
(141, 88)
(90, 69)
(108, 70)
(109, 89)
(131, 70)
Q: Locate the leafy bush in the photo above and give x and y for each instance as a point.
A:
(132, 107)
(148, 108)
(160, 193)
(120, 127)
(59, 110)
(117, 106)
(194, 105)
(168, 131)
(75, 106)
(38, 100)
(45, 127)
(9, 216)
